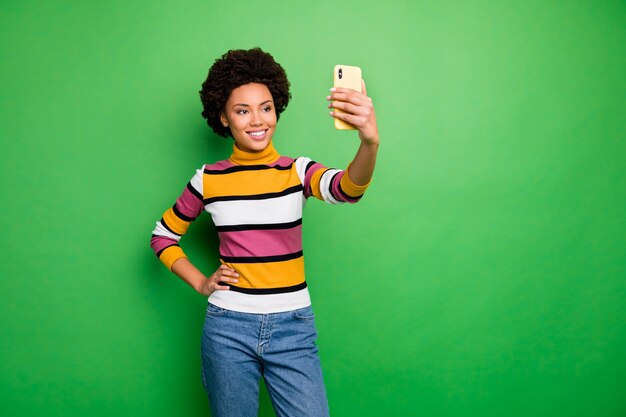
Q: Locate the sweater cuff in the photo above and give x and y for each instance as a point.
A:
(171, 255)
(351, 188)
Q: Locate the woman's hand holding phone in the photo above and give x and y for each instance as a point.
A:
(356, 109)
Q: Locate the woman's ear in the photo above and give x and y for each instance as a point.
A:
(224, 120)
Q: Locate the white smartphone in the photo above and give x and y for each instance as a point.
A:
(346, 76)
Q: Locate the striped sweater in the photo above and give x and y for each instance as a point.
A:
(256, 202)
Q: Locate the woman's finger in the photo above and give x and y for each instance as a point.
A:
(365, 110)
(216, 287)
(356, 121)
(349, 108)
(226, 278)
(221, 283)
(349, 96)
(224, 275)
(225, 270)
(228, 273)
(355, 99)
(345, 90)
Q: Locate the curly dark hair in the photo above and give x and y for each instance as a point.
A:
(236, 68)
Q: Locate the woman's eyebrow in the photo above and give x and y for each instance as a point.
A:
(247, 105)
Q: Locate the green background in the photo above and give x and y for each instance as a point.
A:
(483, 274)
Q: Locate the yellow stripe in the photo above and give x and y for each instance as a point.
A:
(315, 183)
(351, 188)
(270, 274)
(174, 222)
(249, 182)
(171, 255)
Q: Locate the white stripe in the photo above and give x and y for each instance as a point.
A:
(160, 230)
(283, 209)
(325, 184)
(261, 304)
(301, 164)
(196, 181)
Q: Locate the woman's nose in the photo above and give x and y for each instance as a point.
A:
(256, 118)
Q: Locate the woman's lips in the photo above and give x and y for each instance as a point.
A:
(258, 134)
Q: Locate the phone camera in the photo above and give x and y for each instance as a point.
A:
(340, 73)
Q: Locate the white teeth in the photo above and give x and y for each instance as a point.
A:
(261, 133)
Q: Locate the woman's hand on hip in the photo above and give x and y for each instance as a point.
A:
(224, 274)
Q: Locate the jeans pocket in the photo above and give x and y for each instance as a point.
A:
(304, 314)
(215, 311)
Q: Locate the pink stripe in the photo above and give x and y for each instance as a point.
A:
(307, 178)
(219, 165)
(261, 242)
(336, 189)
(160, 242)
(189, 205)
(283, 161)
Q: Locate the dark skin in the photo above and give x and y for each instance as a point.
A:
(359, 112)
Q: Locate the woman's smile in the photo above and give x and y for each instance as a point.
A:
(250, 115)
(257, 134)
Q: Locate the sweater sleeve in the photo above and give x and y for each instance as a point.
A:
(328, 184)
(176, 221)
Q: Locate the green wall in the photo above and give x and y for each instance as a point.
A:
(482, 275)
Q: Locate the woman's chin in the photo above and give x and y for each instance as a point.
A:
(252, 145)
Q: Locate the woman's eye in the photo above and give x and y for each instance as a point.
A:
(267, 109)
(242, 111)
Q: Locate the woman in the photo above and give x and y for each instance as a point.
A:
(259, 321)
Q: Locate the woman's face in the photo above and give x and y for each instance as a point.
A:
(251, 117)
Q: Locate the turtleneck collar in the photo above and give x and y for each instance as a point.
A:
(265, 157)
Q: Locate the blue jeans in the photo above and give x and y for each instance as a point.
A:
(240, 348)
